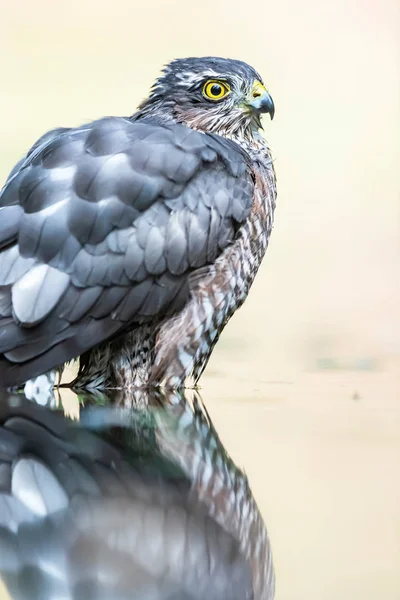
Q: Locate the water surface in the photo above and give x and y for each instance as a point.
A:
(136, 498)
(321, 455)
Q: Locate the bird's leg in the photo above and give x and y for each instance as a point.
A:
(184, 343)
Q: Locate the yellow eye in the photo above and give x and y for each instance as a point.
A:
(215, 90)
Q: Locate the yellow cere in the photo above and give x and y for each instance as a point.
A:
(214, 89)
(258, 89)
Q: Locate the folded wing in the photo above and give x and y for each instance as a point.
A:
(101, 226)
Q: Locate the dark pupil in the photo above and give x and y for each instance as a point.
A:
(216, 89)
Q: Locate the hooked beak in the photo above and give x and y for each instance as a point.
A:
(260, 100)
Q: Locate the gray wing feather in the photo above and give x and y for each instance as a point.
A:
(10, 217)
(13, 265)
(101, 226)
(43, 286)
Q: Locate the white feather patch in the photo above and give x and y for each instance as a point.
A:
(37, 293)
(63, 173)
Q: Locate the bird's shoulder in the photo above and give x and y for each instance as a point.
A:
(147, 196)
(144, 155)
(112, 135)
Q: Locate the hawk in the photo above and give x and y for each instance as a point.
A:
(130, 242)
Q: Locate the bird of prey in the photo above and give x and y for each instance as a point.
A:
(130, 242)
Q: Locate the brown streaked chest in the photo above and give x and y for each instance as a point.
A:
(259, 223)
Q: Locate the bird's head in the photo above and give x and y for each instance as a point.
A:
(210, 94)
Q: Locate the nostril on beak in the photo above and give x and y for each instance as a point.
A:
(256, 94)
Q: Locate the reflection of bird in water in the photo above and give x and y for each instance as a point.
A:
(141, 504)
(130, 242)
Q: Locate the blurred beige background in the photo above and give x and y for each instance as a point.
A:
(329, 291)
(315, 352)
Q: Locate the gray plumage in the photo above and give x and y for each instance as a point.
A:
(105, 228)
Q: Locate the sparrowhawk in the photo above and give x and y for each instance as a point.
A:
(130, 242)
